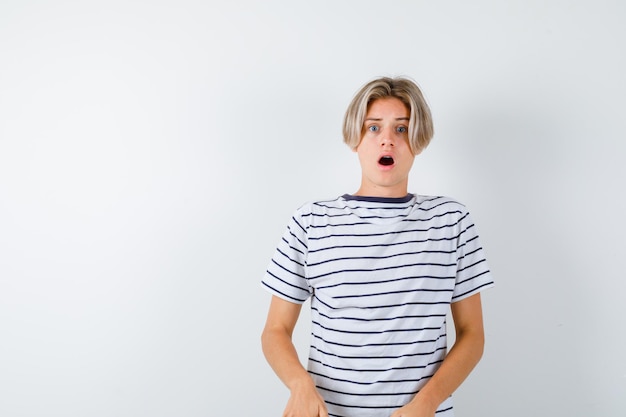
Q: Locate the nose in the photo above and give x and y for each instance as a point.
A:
(387, 138)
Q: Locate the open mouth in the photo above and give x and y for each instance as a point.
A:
(386, 160)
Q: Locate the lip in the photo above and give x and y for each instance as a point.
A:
(386, 167)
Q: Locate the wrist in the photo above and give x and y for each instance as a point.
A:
(301, 382)
(425, 402)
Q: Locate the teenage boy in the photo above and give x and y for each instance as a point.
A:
(382, 268)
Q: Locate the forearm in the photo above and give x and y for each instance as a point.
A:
(457, 365)
(276, 341)
(281, 355)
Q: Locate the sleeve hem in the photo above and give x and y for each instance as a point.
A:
(280, 294)
(474, 291)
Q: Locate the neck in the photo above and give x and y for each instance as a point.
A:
(381, 192)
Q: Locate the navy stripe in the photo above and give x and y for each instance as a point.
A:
(372, 394)
(472, 265)
(293, 247)
(415, 329)
(378, 294)
(399, 232)
(282, 293)
(412, 342)
(401, 218)
(285, 269)
(425, 316)
(296, 222)
(400, 368)
(384, 245)
(474, 290)
(469, 253)
(378, 357)
(377, 307)
(387, 281)
(380, 381)
(288, 257)
(387, 268)
(287, 283)
(395, 255)
(295, 237)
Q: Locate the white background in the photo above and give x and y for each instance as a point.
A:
(151, 153)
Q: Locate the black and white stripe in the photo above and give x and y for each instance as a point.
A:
(382, 273)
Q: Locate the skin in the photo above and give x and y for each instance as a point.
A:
(384, 133)
(462, 358)
(281, 354)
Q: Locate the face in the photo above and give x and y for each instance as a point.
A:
(384, 151)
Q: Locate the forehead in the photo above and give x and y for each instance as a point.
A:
(387, 106)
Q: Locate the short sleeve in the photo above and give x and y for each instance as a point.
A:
(473, 274)
(285, 276)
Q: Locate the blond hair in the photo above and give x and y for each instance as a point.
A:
(420, 120)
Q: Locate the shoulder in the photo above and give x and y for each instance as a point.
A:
(439, 204)
(443, 212)
(313, 209)
(322, 205)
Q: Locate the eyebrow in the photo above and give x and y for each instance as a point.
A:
(378, 119)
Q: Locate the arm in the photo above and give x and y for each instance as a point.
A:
(464, 355)
(281, 354)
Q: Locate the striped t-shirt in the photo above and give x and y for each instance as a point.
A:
(381, 274)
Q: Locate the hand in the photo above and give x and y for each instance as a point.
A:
(414, 409)
(305, 401)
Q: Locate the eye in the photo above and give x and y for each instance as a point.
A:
(401, 129)
(373, 128)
